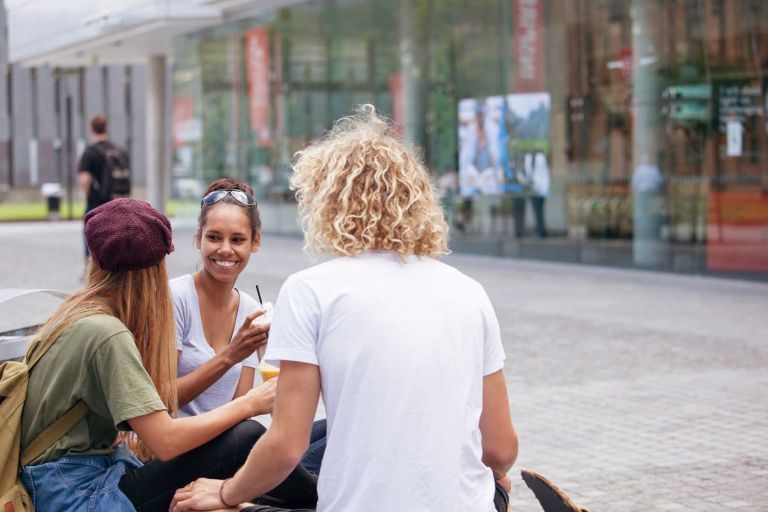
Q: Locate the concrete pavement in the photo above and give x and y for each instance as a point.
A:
(632, 391)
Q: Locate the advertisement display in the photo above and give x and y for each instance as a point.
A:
(499, 138)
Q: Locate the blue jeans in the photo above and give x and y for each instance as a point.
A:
(95, 483)
(314, 454)
(80, 483)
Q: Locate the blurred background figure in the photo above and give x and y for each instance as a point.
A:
(539, 191)
(104, 169)
(648, 211)
(103, 172)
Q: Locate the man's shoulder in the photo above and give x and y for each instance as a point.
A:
(116, 147)
(104, 145)
(90, 154)
(314, 278)
(95, 151)
(448, 276)
(98, 147)
(327, 268)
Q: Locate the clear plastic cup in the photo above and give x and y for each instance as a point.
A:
(264, 319)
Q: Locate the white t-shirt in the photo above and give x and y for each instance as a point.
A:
(540, 179)
(195, 350)
(402, 350)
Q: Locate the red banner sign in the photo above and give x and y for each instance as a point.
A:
(528, 45)
(185, 128)
(257, 68)
(397, 93)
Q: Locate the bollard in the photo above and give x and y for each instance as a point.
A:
(52, 194)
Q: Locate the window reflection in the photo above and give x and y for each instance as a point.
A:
(656, 148)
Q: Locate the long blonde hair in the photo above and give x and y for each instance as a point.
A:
(360, 188)
(141, 300)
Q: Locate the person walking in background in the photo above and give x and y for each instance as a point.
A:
(519, 197)
(113, 361)
(540, 183)
(104, 168)
(405, 349)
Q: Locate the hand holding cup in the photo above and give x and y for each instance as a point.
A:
(262, 397)
(251, 336)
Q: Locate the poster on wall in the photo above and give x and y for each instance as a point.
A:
(498, 135)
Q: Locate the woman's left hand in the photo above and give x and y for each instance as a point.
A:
(202, 494)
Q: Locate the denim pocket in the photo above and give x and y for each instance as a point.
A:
(81, 477)
(81, 484)
(52, 491)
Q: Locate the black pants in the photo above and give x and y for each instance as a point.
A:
(518, 210)
(500, 499)
(500, 503)
(538, 214)
(151, 487)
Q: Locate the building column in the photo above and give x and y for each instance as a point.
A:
(158, 179)
(647, 185)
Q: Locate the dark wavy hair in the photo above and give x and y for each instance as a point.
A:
(230, 184)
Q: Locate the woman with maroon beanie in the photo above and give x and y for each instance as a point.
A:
(113, 361)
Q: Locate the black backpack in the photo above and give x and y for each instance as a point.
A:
(116, 174)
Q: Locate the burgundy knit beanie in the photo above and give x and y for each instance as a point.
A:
(127, 234)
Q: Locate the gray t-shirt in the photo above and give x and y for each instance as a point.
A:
(195, 349)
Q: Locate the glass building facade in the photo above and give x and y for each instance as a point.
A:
(612, 132)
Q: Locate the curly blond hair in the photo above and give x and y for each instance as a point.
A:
(360, 188)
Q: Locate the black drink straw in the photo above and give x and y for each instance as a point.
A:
(258, 293)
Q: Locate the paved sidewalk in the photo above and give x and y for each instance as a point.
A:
(633, 391)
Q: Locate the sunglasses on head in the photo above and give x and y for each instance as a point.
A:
(217, 195)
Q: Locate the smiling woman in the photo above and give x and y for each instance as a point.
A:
(216, 337)
(215, 340)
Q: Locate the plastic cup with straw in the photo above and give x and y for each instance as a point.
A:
(267, 370)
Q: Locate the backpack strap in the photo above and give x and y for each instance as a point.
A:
(104, 148)
(53, 433)
(39, 347)
(101, 149)
(37, 350)
(103, 186)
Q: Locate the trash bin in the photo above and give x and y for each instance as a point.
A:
(52, 194)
